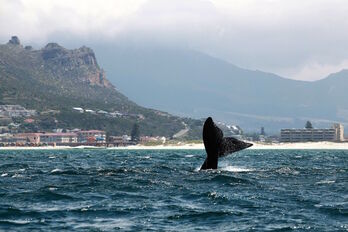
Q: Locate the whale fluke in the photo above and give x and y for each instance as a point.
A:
(217, 146)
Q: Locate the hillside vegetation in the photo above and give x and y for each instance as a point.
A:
(54, 80)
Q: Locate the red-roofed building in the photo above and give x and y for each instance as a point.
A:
(29, 120)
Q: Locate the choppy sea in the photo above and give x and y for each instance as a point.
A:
(144, 190)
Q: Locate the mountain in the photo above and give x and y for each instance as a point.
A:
(194, 84)
(54, 80)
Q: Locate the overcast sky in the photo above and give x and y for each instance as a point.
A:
(298, 39)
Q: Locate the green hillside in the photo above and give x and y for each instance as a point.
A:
(54, 80)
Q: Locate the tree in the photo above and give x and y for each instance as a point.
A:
(309, 125)
(135, 134)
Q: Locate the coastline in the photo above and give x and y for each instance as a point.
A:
(301, 146)
(200, 146)
(256, 146)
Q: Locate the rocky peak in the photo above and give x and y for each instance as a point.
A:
(77, 64)
(53, 46)
(53, 50)
(85, 49)
(14, 41)
(29, 48)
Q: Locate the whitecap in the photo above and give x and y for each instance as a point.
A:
(287, 171)
(106, 224)
(212, 194)
(325, 182)
(189, 156)
(19, 222)
(236, 169)
(17, 175)
(56, 170)
(4, 174)
(227, 168)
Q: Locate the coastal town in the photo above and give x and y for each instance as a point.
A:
(11, 136)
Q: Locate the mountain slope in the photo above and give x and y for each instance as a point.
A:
(194, 84)
(55, 79)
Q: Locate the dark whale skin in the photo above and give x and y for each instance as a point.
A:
(217, 146)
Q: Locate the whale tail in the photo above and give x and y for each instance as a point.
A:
(217, 146)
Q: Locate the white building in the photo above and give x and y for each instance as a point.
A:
(79, 109)
(335, 134)
(339, 131)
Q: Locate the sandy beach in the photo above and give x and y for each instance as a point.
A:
(256, 146)
(296, 146)
(195, 146)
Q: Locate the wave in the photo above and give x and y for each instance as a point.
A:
(236, 169)
(325, 182)
(336, 209)
(202, 215)
(17, 176)
(56, 170)
(106, 224)
(16, 222)
(229, 179)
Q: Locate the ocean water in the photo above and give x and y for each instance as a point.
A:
(108, 190)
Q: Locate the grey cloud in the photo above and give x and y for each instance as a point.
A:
(286, 37)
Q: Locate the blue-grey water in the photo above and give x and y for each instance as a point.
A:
(106, 190)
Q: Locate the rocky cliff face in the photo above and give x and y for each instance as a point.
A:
(80, 64)
(77, 65)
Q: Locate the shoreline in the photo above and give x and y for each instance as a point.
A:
(301, 146)
(200, 146)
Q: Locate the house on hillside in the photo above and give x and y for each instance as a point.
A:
(14, 111)
(79, 109)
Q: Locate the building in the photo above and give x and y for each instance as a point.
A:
(335, 134)
(120, 140)
(90, 111)
(79, 109)
(14, 111)
(21, 139)
(339, 131)
(91, 136)
(58, 138)
(33, 138)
